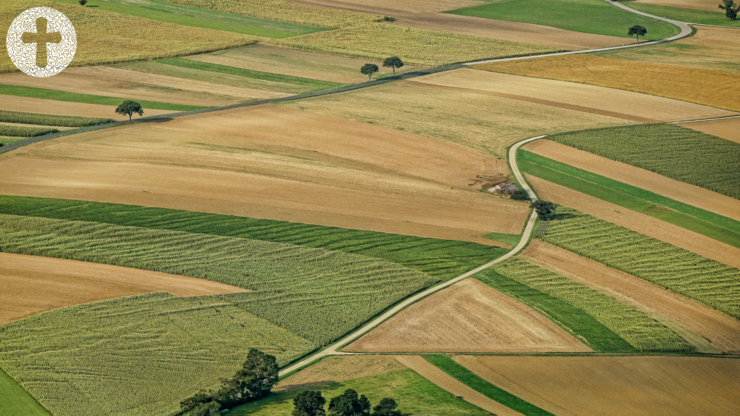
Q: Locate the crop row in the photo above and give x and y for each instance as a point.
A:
(674, 268)
(138, 355)
(50, 120)
(23, 131)
(640, 331)
(673, 151)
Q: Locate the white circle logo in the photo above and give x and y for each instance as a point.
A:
(41, 42)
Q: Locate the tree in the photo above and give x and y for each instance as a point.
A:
(393, 62)
(128, 108)
(637, 31)
(545, 209)
(207, 409)
(253, 381)
(82, 2)
(369, 70)
(520, 195)
(731, 9)
(348, 404)
(309, 403)
(386, 407)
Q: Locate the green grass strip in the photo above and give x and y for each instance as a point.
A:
(15, 401)
(23, 131)
(687, 15)
(443, 259)
(74, 97)
(577, 322)
(671, 211)
(248, 73)
(511, 239)
(472, 380)
(51, 120)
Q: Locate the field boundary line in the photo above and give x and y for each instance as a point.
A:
(699, 120)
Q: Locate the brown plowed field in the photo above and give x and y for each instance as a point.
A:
(422, 14)
(608, 100)
(727, 129)
(706, 325)
(469, 316)
(32, 285)
(708, 5)
(275, 163)
(697, 85)
(62, 108)
(617, 386)
(432, 373)
(645, 224)
(641, 178)
(337, 369)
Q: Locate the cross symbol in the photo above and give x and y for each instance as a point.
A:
(41, 38)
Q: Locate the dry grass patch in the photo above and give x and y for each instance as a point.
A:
(32, 285)
(467, 317)
(702, 86)
(708, 5)
(338, 369)
(727, 129)
(611, 386)
(64, 108)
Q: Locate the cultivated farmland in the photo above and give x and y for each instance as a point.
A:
(708, 5)
(50, 120)
(467, 317)
(64, 108)
(611, 386)
(726, 129)
(14, 400)
(338, 369)
(32, 284)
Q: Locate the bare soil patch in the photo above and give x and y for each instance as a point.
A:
(469, 316)
(336, 369)
(32, 285)
(274, 163)
(645, 224)
(708, 5)
(651, 181)
(697, 323)
(611, 386)
(727, 129)
(63, 108)
(430, 372)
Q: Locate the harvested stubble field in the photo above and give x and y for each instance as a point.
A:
(674, 268)
(611, 386)
(136, 355)
(32, 285)
(63, 108)
(104, 37)
(727, 129)
(338, 369)
(642, 332)
(487, 123)
(673, 151)
(276, 163)
(467, 317)
(697, 85)
(415, 46)
(705, 328)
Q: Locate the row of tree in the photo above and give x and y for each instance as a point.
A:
(311, 403)
(393, 62)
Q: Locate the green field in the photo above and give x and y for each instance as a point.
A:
(6, 141)
(589, 16)
(138, 355)
(162, 11)
(74, 97)
(683, 215)
(414, 394)
(15, 401)
(511, 239)
(23, 131)
(717, 18)
(577, 322)
(681, 271)
(640, 331)
(676, 152)
(443, 259)
(50, 120)
(470, 379)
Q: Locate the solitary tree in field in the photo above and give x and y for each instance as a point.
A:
(128, 108)
(348, 404)
(637, 31)
(731, 8)
(545, 209)
(309, 403)
(83, 2)
(393, 62)
(386, 407)
(369, 70)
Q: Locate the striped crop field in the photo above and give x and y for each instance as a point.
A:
(50, 120)
(642, 332)
(23, 131)
(681, 271)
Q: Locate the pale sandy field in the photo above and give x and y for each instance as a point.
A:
(706, 328)
(32, 285)
(337, 369)
(469, 316)
(275, 163)
(727, 129)
(641, 178)
(62, 108)
(644, 224)
(708, 5)
(617, 386)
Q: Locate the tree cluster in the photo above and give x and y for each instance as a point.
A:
(393, 62)
(545, 209)
(311, 403)
(253, 381)
(731, 8)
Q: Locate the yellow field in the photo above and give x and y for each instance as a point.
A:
(105, 37)
(414, 46)
(703, 86)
